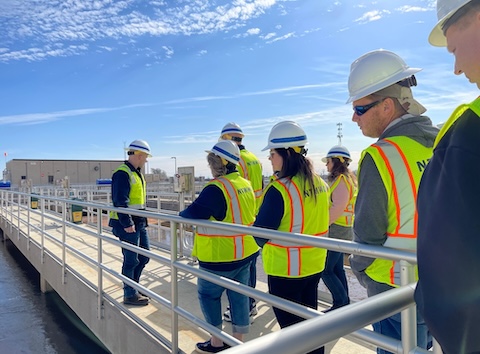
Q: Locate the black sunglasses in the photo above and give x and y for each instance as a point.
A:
(360, 110)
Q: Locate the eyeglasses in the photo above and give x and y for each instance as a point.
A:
(360, 110)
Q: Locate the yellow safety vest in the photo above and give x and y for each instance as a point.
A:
(138, 190)
(213, 245)
(347, 217)
(457, 113)
(400, 162)
(301, 215)
(251, 169)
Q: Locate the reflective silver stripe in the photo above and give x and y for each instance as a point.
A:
(401, 243)
(244, 168)
(296, 221)
(294, 261)
(236, 213)
(396, 273)
(236, 218)
(296, 225)
(133, 180)
(136, 206)
(239, 250)
(258, 193)
(403, 194)
(348, 215)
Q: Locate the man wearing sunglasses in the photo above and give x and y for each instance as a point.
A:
(389, 171)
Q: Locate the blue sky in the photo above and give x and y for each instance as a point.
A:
(79, 79)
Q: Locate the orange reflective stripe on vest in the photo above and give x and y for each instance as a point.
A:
(289, 259)
(213, 245)
(400, 162)
(405, 202)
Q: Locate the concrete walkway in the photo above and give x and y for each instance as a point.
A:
(156, 278)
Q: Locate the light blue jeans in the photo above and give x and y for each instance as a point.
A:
(210, 297)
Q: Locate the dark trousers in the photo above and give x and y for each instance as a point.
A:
(303, 291)
(133, 263)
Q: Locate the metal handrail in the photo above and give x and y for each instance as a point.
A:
(349, 320)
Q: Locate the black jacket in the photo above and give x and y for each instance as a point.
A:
(448, 292)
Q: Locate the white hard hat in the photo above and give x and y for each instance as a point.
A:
(226, 149)
(139, 145)
(337, 151)
(445, 10)
(375, 71)
(232, 128)
(286, 134)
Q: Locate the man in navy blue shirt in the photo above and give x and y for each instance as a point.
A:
(129, 191)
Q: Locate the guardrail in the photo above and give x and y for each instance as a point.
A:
(317, 330)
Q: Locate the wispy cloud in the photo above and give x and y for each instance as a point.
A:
(40, 118)
(46, 117)
(247, 33)
(168, 51)
(285, 36)
(370, 16)
(408, 8)
(253, 93)
(261, 126)
(268, 35)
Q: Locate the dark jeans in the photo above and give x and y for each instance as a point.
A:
(303, 291)
(133, 263)
(334, 278)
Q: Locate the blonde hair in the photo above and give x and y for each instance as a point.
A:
(216, 165)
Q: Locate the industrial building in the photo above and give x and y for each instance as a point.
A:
(53, 172)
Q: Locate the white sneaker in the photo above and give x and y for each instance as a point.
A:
(227, 317)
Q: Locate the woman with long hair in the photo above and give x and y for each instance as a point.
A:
(343, 192)
(295, 201)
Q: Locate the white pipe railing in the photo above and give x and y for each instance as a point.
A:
(317, 330)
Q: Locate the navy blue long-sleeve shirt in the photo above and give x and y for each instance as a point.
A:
(121, 197)
(210, 202)
(270, 214)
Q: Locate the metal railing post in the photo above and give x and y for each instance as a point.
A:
(409, 315)
(42, 227)
(181, 206)
(11, 213)
(29, 229)
(174, 284)
(64, 238)
(99, 263)
(18, 217)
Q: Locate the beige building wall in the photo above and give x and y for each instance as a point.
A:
(51, 172)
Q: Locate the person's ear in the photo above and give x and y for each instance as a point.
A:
(388, 105)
